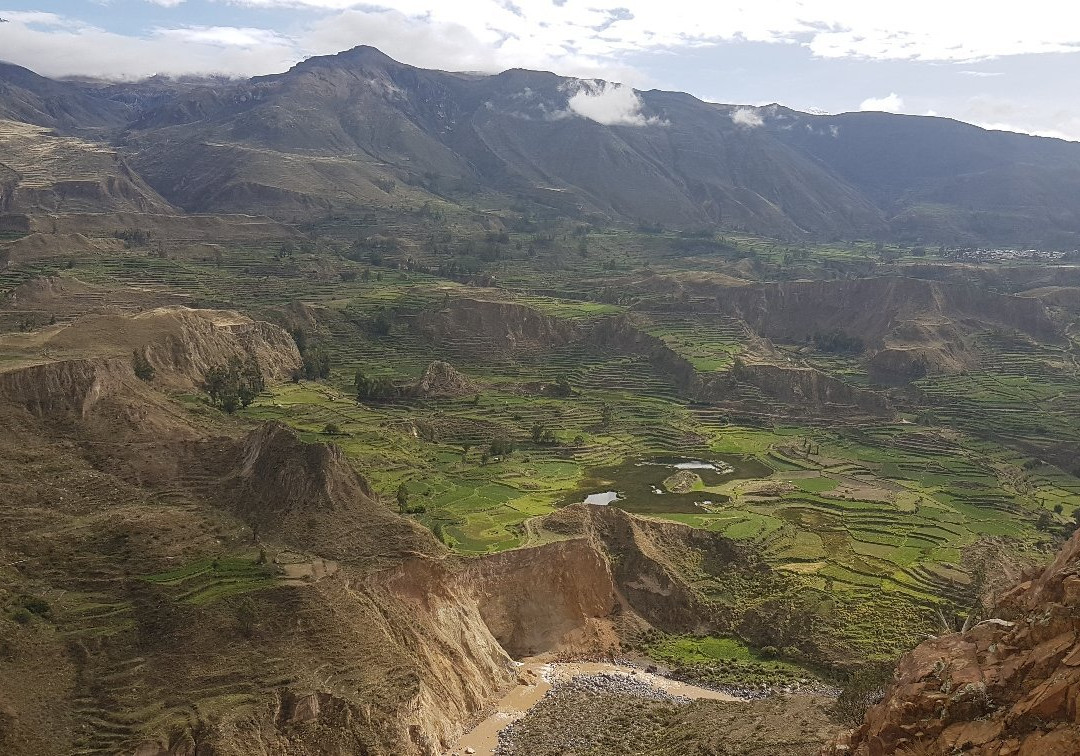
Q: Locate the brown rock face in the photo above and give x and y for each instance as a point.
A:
(1003, 688)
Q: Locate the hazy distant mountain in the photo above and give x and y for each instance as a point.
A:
(358, 129)
(27, 97)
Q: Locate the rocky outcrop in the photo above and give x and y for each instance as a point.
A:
(1008, 686)
(873, 307)
(808, 388)
(479, 325)
(310, 496)
(71, 387)
(181, 344)
(442, 380)
(558, 597)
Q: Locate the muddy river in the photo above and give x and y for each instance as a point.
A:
(484, 737)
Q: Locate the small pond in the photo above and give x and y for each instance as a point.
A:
(637, 485)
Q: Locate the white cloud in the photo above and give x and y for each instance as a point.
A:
(226, 36)
(39, 18)
(981, 74)
(891, 103)
(58, 46)
(589, 37)
(1058, 120)
(747, 118)
(913, 30)
(166, 3)
(608, 103)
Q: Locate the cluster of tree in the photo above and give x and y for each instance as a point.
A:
(316, 360)
(1045, 521)
(402, 496)
(499, 447)
(134, 237)
(541, 434)
(837, 341)
(234, 384)
(368, 387)
(372, 249)
(702, 245)
(607, 415)
(381, 324)
(316, 364)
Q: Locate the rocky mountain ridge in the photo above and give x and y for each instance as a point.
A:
(342, 132)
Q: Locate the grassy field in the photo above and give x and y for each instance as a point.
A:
(724, 661)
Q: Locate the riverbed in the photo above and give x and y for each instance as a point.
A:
(536, 678)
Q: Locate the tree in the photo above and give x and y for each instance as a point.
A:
(382, 387)
(300, 338)
(537, 431)
(381, 324)
(144, 371)
(316, 364)
(607, 415)
(233, 384)
(562, 387)
(501, 447)
(402, 498)
(1043, 521)
(331, 429)
(362, 384)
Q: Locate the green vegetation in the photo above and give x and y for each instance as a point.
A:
(234, 384)
(882, 521)
(208, 580)
(725, 661)
(144, 371)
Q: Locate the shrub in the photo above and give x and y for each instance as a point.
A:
(144, 371)
(863, 688)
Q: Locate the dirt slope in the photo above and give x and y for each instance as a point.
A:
(180, 343)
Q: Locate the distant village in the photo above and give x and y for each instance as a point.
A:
(1012, 255)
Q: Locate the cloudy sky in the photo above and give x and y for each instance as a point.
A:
(1009, 66)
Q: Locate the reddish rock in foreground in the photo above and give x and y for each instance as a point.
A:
(1006, 686)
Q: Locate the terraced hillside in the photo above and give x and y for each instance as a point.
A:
(824, 519)
(43, 172)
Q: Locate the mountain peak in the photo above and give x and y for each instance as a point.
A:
(362, 55)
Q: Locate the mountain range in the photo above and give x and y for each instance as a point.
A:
(358, 130)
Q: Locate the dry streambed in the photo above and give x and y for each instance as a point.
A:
(538, 679)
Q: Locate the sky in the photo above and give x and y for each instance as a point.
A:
(1009, 66)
